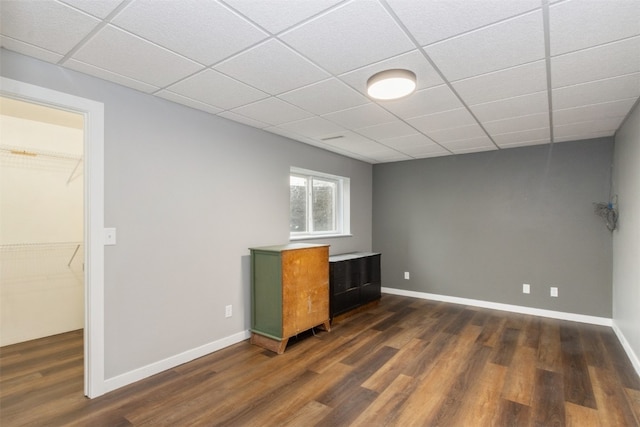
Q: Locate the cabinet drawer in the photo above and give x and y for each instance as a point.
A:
(345, 301)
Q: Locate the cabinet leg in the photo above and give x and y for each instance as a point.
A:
(326, 326)
(282, 346)
(277, 346)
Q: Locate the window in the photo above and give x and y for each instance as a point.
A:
(319, 204)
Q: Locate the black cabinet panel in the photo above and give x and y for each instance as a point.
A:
(339, 274)
(346, 301)
(354, 280)
(370, 292)
(375, 270)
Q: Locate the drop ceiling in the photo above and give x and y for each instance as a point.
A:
(492, 74)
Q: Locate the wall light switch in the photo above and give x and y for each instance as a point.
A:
(109, 236)
(554, 291)
(526, 288)
(406, 275)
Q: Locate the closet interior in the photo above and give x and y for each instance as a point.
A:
(41, 221)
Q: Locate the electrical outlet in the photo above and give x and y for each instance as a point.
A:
(554, 291)
(526, 288)
(228, 311)
(406, 275)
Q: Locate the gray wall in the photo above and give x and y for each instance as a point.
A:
(626, 238)
(188, 193)
(480, 225)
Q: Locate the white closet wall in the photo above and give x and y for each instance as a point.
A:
(41, 229)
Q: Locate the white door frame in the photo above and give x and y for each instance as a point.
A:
(93, 112)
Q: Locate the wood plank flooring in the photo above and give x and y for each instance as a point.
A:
(407, 362)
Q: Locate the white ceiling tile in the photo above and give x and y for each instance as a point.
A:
(409, 141)
(424, 150)
(597, 92)
(357, 143)
(433, 21)
(122, 53)
(579, 24)
(273, 111)
(507, 44)
(292, 135)
(416, 146)
(30, 50)
(321, 144)
(525, 144)
(512, 107)
(426, 75)
(395, 157)
(242, 119)
(437, 151)
(111, 76)
(455, 134)
(607, 125)
(593, 112)
(273, 68)
(278, 15)
(217, 89)
(522, 136)
(445, 120)
(582, 136)
(361, 116)
(325, 146)
(308, 82)
(610, 60)
(325, 97)
(507, 83)
(99, 8)
(387, 130)
(208, 36)
(423, 102)
(515, 124)
(363, 150)
(350, 36)
(472, 145)
(383, 153)
(49, 25)
(188, 102)
(314, 127)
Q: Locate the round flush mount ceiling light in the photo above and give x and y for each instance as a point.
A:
(391, 84)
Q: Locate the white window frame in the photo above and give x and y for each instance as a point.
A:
(342, 206)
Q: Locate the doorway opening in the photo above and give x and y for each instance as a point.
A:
(88, 259)
(41, 221)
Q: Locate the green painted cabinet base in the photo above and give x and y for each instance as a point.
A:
(289, 292)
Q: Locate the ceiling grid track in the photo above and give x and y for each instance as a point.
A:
(547, 60)
(491, 75)
(104, 22)
(440, 73)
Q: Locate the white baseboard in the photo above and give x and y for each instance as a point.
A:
(173, 361)
(635, 361)
(603, 321)
(189, 355)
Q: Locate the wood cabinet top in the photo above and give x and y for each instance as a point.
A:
(288, 247)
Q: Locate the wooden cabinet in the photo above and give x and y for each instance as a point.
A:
(289, 292)
(354, 281)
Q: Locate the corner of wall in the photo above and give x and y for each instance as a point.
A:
(633, 357)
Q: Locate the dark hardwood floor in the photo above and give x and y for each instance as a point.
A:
(407, 362)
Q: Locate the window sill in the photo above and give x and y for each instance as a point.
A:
(319, 236)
